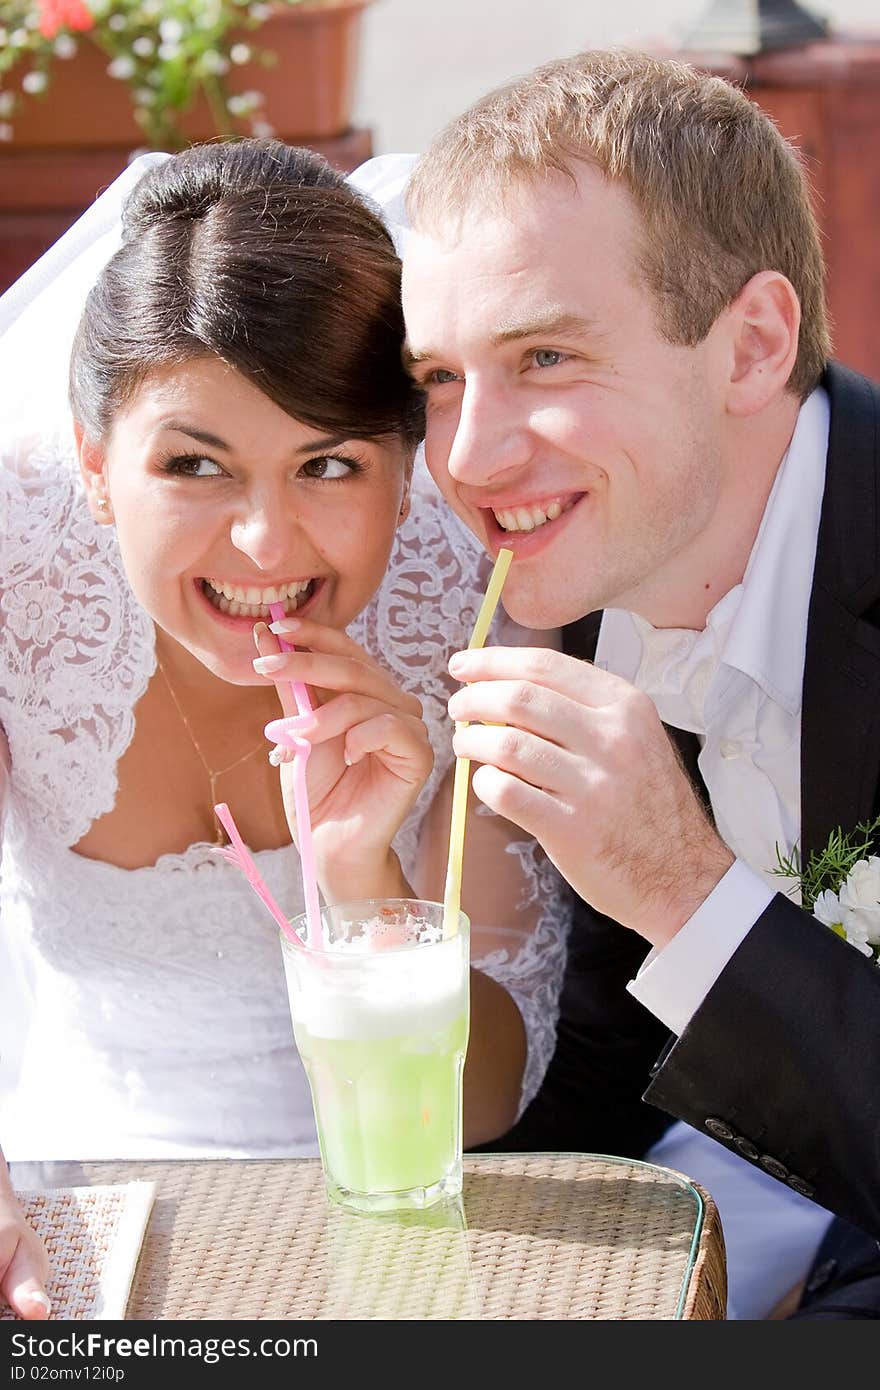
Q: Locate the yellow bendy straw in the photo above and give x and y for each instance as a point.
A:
(452, 891)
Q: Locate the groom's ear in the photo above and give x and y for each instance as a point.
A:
(762, 325)
(93, 468)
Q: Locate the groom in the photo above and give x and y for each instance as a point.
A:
(614, 300)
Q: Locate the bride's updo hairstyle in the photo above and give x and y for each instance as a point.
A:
(260, 254)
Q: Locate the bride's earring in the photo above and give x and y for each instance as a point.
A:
(102, 504)
(404, 510)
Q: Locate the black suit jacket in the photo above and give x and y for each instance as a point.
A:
(781, 1063)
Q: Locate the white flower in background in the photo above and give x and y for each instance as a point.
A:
(121, 68)
(34, 82)
(171, 48)
(171, 30)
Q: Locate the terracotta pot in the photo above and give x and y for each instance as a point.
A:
(309, 92)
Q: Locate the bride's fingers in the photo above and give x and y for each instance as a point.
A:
(341, 714)
(337, 673)
(401, 742)
(305, 632)
(317, 637)
(267, 645)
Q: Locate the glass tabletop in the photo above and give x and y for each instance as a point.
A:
(570, 1236)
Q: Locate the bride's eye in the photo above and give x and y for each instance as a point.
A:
(330, 468)
(192, 466)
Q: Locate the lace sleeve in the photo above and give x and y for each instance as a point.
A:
(76, 649)
(528, 956)
(519, 909)
(518, 904)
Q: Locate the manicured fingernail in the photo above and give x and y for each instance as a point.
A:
(285, 625)
(265, 665)
(291, 725)
(456, 662)
(259, 629)
(39, 1298)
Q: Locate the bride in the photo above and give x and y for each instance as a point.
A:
(239, 432)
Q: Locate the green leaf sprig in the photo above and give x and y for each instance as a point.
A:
(827, 869)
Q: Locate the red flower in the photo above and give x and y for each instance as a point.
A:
(73, 15)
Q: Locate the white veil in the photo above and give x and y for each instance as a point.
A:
(39, 314)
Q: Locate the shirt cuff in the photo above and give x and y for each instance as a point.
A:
(674, 981)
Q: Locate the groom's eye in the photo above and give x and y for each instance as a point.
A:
(548, 357)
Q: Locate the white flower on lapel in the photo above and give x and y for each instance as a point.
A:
(841, 884)
(860, 901)
(828, 910)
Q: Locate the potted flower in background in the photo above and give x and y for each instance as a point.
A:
(85, 83)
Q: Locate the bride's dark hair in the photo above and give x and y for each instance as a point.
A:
(260, 254)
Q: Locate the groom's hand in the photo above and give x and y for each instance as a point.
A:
(582, 762)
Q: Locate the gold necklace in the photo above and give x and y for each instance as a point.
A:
(213, 774)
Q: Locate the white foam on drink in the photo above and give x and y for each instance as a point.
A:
(370, 990)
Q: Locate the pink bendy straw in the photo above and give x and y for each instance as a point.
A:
(238, 853)
(279, 731)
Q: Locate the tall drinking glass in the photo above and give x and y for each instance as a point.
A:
(380, 1018)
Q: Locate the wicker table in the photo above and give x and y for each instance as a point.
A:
(536, 1236)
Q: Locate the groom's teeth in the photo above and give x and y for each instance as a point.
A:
(527, 518)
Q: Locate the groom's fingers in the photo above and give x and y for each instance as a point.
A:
(567, 675)
(522, 705)
(522, 755)
(537, 811)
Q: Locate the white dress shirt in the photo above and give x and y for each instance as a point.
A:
(737, 685)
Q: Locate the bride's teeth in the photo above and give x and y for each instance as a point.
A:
(252, 602)
(554, 511)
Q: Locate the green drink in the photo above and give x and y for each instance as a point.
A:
(381, 1023)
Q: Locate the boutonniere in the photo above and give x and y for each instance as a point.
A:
(841, 885)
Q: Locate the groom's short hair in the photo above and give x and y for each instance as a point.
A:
(722, 195)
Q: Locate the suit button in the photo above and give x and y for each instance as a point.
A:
(774, 1167)
(746, 1147)
(820, 1276)
(799, 1185)
(729, 748)
(719, 1128)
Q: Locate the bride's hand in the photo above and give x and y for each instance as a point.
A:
(24, 1263)
(370, 756)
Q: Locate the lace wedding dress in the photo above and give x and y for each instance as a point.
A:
(143, 1013)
